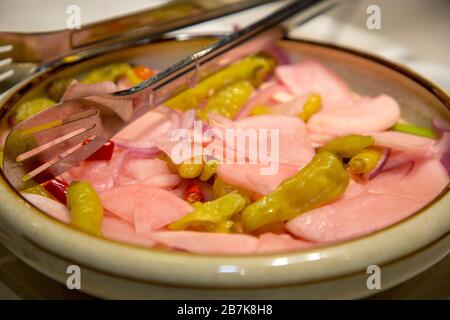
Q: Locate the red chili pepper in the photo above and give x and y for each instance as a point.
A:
(143, 72)
(193, 193)
(104, 153)
(58, 188)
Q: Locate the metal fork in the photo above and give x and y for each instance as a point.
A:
(53, 141)
(20, 52)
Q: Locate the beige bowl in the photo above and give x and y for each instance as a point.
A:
(115, 270)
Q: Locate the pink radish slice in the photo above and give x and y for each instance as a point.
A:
(187, 119)
(275, 243)
(260, 97)
(51, 207)
(248, 176)
(421, 182)
(78, 90)
(398, 158)
(401, 141)
(120, 230)
(148, 207)
(141, 169)
(351, 218)
(311, 77)
(208, 243)
(364, 116)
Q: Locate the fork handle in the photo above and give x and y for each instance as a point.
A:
(171, 16)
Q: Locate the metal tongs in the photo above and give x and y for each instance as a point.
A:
(53, 141)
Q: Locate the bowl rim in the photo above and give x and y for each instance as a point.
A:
(249, 269)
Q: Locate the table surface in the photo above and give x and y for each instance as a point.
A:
(412, 34)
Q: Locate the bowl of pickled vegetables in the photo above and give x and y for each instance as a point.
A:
(301, 166)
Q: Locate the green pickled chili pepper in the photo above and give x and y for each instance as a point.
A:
(39, 190)
(229, 100)
(348, 146)
(58, 87)
(260, 109)
(364, 161)
(416, 130)
(190, 169)
(321, 181)
(111, 73)
(221, 188)
(253, 69)
(212, 216)
(1, 158)
(29, 108)
(312, 106)
(85, 207)
(209, 170)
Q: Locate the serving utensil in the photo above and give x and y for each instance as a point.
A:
(20, 52)
(53, 141)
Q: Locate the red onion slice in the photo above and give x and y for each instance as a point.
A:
(278, 54)
(440, 125)
(445, 160)
(379, 167)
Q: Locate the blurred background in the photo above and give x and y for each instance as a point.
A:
(413, 33)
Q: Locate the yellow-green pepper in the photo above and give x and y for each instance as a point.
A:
(111, 73)
(259, 110)
(209, 170)
(364, 161)
(85, 207)
(312, 106)
(212, 216)
(221, 188)
(416, 130)
(190, 169)
(39, 190)
(318, 183)
(348, 146)
(30, 108)
(253, 69)
(229, 100)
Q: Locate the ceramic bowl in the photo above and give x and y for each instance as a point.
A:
(111, 269)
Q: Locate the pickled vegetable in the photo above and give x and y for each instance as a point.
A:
(228, 101)
(312, 106)
(58, 87)
(260, 109)
(85, 207)
(212, 216)
(39, 190)
(364, 161)
(1, 158)
(58, 189)
(221, 188)
(30, 108)
(413, 129)
(253, 69)
(143, 72)
(321, 181)
(190, 169)
(111, 73)
(209, 170)
(193, 193)
(348, 146)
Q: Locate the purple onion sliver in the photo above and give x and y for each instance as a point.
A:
(381, 162)
(278, 53)
(440, 125)
(445, 160)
